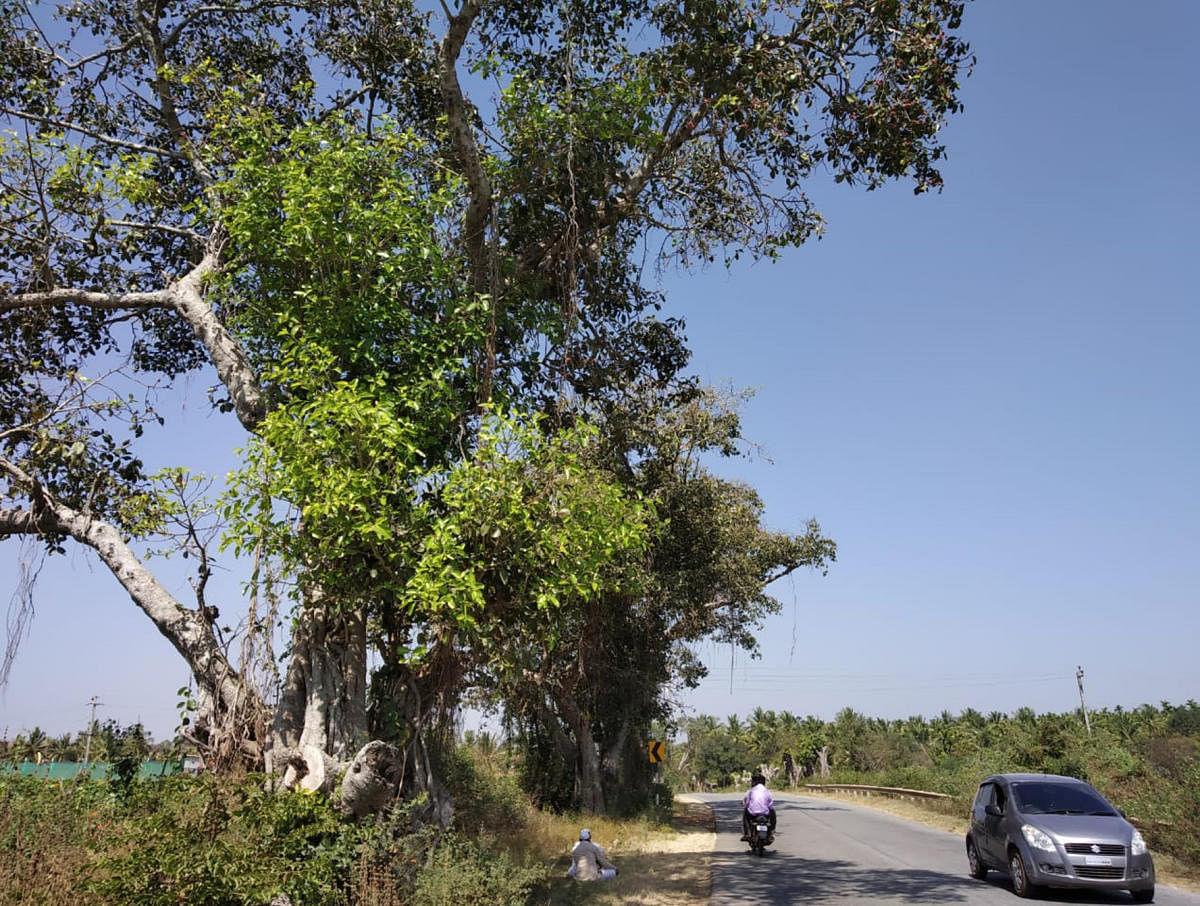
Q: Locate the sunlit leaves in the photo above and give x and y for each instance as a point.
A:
(526, 524)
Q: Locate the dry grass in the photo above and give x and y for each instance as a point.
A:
(660, 865)
(43, 855)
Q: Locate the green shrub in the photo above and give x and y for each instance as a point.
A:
(484, 796)
(47, 830)
(208, 842)
(459, 871)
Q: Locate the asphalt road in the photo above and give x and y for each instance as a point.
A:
(835, 852)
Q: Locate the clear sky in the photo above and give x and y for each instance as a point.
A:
(988, 397)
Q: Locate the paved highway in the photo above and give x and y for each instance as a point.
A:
(834, 852)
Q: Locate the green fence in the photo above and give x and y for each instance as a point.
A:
(96, 770)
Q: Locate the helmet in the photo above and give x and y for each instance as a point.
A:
(585, 834)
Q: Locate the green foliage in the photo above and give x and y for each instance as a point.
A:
(526, 525)
(214, 842)
(459, 871)
(359, 324)
(205, 841)
(46, 833)
(486, 794)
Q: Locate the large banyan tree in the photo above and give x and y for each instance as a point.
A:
(406, 244)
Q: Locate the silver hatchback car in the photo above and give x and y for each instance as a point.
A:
(1052, 831)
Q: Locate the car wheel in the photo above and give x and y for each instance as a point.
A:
(1143, 896)
(1020, 878)
(974, 863)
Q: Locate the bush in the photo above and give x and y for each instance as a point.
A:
(484, 797)
(459, 871)
(46, 832)
(209, 842)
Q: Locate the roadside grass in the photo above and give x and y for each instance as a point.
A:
(661, 863)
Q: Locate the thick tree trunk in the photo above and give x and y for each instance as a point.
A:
(790, 769)
(323, 704)
(589, 780)
(589, 777)
(373, 779)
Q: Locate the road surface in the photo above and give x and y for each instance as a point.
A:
(834, 852)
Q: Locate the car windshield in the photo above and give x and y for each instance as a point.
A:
(1049, 798)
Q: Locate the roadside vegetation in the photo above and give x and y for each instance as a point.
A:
(210, 840)
(220, 839)
(1146, 760)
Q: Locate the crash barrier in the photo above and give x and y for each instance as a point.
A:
(891, 792)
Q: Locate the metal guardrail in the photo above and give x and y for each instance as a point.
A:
(858, 789)
(893, 792)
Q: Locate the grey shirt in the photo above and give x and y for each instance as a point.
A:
(588, 859)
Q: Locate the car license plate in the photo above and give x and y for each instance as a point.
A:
(1097, 860)
(762, 828)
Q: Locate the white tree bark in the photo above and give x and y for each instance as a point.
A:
(322, 704)
(372, 780)
(187, 630)
(186, 297)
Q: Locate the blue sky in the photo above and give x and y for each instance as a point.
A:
(988, 397)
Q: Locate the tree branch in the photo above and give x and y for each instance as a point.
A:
(91, 133)
(184, 628)
(465, 146)
(186, 297)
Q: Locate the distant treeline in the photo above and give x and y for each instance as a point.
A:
(109, 742)
(1147, 760)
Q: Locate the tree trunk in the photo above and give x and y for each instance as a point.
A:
(323, 704)
(589, 779)
(372, 780)
(789, 768)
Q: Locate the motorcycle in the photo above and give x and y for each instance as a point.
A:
(760, 834)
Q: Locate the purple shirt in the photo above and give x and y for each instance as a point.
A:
(758, 801)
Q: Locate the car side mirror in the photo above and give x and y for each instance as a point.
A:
(993, 810)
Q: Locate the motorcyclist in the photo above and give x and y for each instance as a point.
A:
(756, 803)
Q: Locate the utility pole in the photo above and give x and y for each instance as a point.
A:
(1082, 704)
(87, 747)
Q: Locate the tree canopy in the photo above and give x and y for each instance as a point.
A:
(411, 250)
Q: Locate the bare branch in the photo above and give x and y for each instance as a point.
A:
(170, 116)
(91, 133)
(480, 205)
(76, 296)
(185, 629)
(160, 228)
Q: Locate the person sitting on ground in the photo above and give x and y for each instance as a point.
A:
(756, 803)
(588, 862)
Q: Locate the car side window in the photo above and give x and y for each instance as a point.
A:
(982, 798)
(1000, 800)
(985, 797)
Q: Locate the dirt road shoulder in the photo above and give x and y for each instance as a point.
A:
(670, 868)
